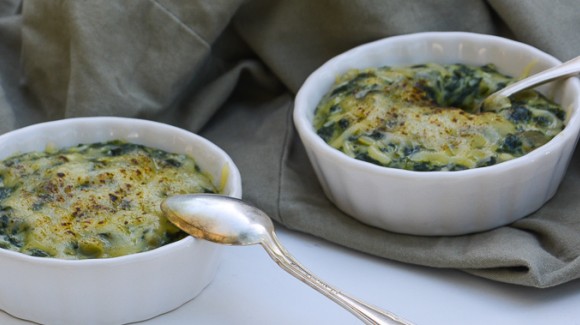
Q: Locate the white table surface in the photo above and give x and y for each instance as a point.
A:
(250, 288)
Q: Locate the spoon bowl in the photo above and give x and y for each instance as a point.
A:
(219, 219)
(230, 221)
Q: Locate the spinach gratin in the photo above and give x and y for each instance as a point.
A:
(422, 118)
(93, 200)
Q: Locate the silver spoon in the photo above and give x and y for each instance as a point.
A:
(499, 99)
(230, 221)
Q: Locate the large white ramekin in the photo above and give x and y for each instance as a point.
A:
(121, 289)
(440, 203)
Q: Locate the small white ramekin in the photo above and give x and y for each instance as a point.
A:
(440, 203)
(122, 289)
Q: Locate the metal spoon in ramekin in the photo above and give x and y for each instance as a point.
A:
(500, 98)
(226, 220)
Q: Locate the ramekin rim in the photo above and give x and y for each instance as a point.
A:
(307, 133)
(234, 175)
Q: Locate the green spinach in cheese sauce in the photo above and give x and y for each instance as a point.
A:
(419, 117)
(93, 200)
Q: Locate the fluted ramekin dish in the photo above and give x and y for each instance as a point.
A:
(121, 289)
(440, 202)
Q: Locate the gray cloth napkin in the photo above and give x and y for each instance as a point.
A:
(228, 69)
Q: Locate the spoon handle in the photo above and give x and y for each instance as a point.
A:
(566, 69)
(368, 314)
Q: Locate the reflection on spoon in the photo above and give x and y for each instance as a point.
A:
(499, 99)
(230, 221)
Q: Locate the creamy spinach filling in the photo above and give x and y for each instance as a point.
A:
(422, 118)
(93, 200)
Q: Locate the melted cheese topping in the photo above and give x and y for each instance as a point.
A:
(93, 201)
(420, 117)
